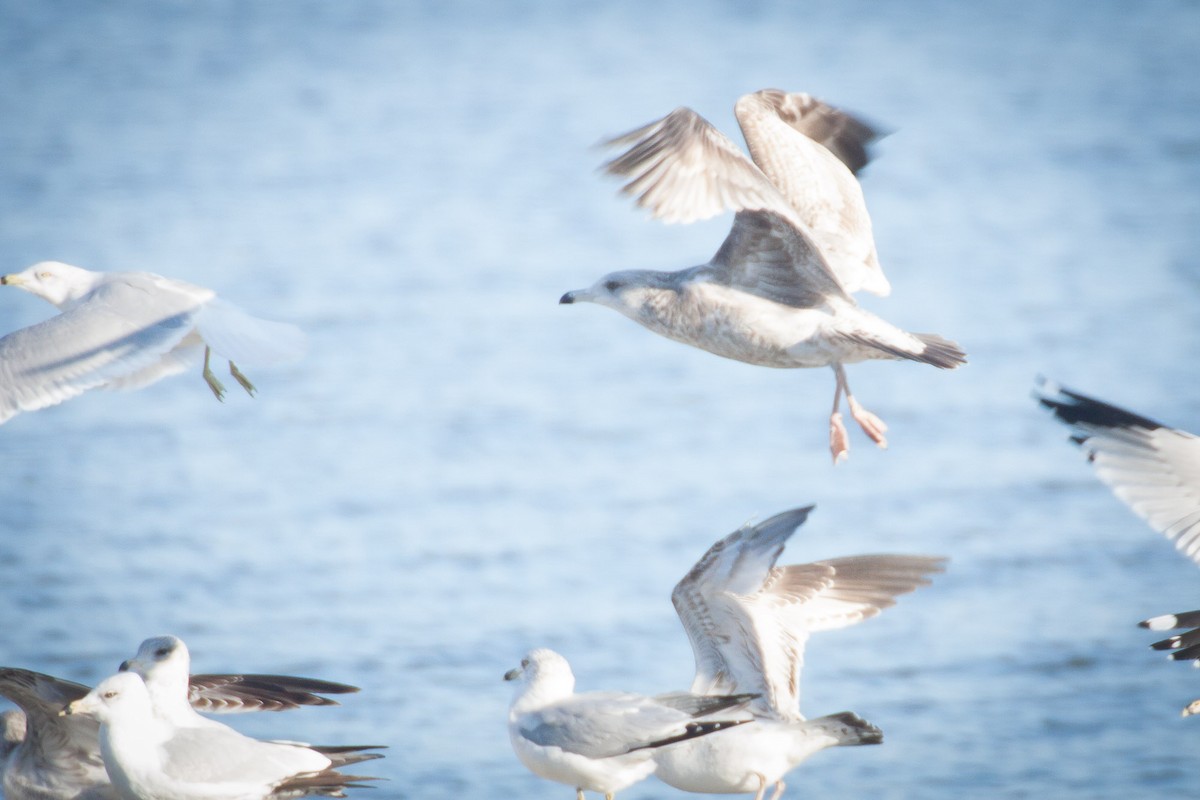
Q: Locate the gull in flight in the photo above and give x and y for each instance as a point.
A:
(600, 741)
(48, 756)
(748, 621)
(126, 330)
(147, 756)
(1153, 469)
(778, 291)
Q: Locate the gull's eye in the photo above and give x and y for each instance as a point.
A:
(45, 275)
(162, 652)
(524, 663)
(612, 286)
(110, 694)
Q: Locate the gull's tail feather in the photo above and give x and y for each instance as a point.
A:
(848, 729)
(240, 337)
(328, 783)
(928, 348)
(344, 755)
(940, 352)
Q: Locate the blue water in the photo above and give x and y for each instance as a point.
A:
(462, 469)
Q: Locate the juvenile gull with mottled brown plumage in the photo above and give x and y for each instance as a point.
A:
(778, 291)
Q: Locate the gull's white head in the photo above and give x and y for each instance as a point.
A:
(162, 659)
(54, 281)
(545, 673)
(628, 291)
(122, 694)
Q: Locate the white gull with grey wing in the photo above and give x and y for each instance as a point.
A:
(48, 756)
(778, 291)
(748, 622)
(147, 757)
(126, 330)
(599, 741)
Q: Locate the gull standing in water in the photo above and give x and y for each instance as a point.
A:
(778, 291)
(748, 621)
(599, 741)
(48, 756)
(126, 330)
(146, 756)
(1153, 469)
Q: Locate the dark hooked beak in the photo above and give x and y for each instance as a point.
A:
(124, 667)
(569, 297)
(513, 674)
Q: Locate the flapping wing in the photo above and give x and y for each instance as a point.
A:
(707, 604)
(112, 333)
(801, 599)
(1153, 469)
(234, 694)
(810, 151)
(847, 137)
(766, 255)
(682, 169)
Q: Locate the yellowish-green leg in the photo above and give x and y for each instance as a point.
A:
(217, 388)
(242, 379)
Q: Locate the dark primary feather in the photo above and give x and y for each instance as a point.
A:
(242, 693)
(1152, 468)
(845, 135)
(692, 730)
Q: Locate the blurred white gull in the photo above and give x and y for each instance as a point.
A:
(778, 291)
(146, 756)
(126, 330)
(1153, 469)
(599, 741)
(48, 756)
(748, 621)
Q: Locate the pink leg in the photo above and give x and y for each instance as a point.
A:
(762, 788)
(779, 787)
(839, 442)
(871, 425)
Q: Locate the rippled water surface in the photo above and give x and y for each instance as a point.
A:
(462, 469)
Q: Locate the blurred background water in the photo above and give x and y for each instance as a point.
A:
(461, 469)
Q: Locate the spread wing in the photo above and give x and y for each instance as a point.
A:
(234, 694)
(119, 329)
(766, 255)
(800, 599)
(683, 169)
(810, 151)
(1153, 469)
(61, 753)
(847, 137)
(748, 620)
(707, 601)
